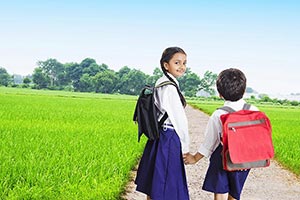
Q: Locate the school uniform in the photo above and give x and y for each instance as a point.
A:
(161, 172)
(217, 180)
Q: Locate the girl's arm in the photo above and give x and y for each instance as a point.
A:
(177, 116)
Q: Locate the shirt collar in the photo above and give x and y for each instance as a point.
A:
(236, 105)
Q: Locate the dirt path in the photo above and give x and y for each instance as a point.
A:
(273, 182)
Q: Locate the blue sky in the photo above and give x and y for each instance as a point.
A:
(262, 38)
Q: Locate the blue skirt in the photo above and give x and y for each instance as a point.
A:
(217, 180)
(161, 173)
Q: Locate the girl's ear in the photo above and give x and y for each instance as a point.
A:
(166, 66)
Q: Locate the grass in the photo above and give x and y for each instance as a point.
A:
(64, 145)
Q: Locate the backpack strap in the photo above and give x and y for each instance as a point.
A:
(231, 110)
(227, 109)
(163, 119)
(168, 83)
(246, 106)
(165, 83)
(165, 116)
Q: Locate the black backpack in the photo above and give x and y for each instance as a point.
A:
(145, 114)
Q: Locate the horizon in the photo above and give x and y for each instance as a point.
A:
(260, 38)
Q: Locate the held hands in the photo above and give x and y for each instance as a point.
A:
(189, 159)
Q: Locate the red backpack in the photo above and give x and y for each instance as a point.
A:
(247, 139)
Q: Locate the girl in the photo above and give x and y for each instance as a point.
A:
(161, 172)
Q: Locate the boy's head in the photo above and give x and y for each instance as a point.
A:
(231, 84)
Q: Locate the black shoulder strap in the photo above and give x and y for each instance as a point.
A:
(163, 119)
(169, 83)
(165, 83)
(165, 116)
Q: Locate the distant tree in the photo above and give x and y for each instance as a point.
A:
(105, 82)
(86, 83)
(133, 82)
(75, 71)
(40, 79)
(123, 71)
(122, 74)
(73, 74)
(295, 103)
(5, 78)
(157, 73)
(62, 80)
(103, 67)
(208, 82)
(93, 68)
(87, 62)
(26, 80)
(53, 69)
(265, 98)
(189, 83)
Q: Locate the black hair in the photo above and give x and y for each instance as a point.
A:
(231, 84)
(167, 55)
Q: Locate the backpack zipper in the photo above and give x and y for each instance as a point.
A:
(234, 125)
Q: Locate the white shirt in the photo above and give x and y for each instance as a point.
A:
(168, 100)
(213, 129)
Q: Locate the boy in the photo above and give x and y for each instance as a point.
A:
(231, 85)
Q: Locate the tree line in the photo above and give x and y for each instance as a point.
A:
(88, 76)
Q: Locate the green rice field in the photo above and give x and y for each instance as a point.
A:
(63, 145)
(67, 145)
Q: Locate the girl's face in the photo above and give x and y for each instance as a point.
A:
(177, 65)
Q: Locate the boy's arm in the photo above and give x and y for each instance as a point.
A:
(192, 159)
